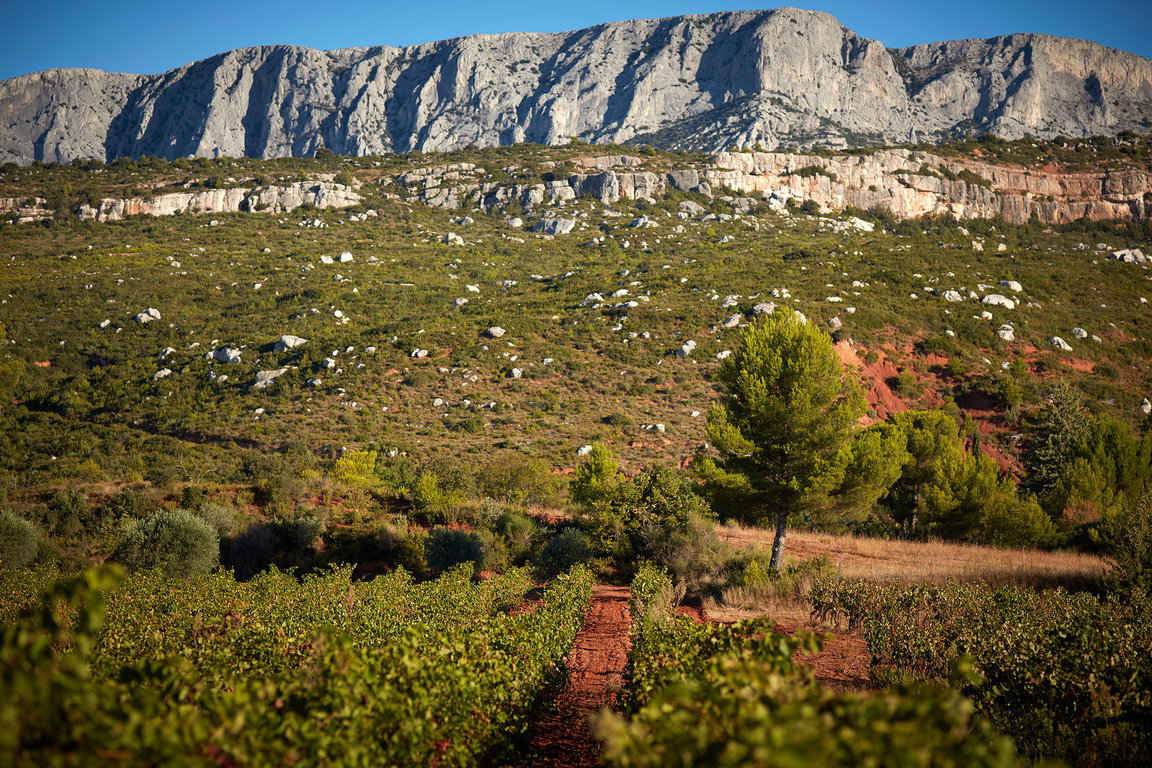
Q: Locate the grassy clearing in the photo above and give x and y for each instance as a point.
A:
(860, 557)
(932, 561)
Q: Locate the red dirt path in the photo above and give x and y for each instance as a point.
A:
(561, 738)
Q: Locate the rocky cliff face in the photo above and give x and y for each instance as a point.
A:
(783, 77)
(908, 183)
(273, 198)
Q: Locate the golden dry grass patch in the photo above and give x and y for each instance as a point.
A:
(860, 557)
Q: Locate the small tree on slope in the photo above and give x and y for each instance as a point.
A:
(785, 420)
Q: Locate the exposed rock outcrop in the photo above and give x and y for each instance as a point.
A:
(279, 198)
(909, 183)
(778, 77)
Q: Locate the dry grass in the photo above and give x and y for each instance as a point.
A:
(891, 560)
(932, 561)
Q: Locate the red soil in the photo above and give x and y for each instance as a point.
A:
(595, 667)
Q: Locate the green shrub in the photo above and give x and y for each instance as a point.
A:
(447, 547)
(1128, 536)
(18, 540)
(124, 505)
(403, 546)
(520, 531)
(595, 479)
(496, 556)
(432, 502)
(300, 531)
(192, 497)
(489, 513)
(568, 548)
(220, 517)
(178, 543)
(516, 479)
(1009, 393)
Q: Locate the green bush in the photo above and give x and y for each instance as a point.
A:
(1009, 392)
(1128, 536)
(447, 547)
(496, 556)
(520, 531)
(300, 531)
(568, 548)
(18, 540)
(403, 546)
(178, 543)
(192, 497)
(220, 517)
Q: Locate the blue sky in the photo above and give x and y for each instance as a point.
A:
(155, 36)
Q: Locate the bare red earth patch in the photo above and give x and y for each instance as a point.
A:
(561, 738)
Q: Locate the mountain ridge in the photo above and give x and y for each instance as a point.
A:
(773, 78)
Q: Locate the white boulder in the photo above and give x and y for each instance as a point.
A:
(288, 341)
(264, 378)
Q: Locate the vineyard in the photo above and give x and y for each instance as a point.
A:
(279, 670)
(708, 694)
(1066, 675)
(321, 669)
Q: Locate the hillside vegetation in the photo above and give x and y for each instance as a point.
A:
(343, 444)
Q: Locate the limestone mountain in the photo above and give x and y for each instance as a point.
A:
(776, 78)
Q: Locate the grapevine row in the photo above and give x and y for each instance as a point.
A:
(318, 671)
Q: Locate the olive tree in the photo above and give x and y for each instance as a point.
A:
(786, 417)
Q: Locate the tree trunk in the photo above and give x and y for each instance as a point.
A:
(777, 563)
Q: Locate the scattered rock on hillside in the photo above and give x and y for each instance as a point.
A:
(264, 378)
(592, 298)
(494, 332)
(224, 355)
(288, 341)
(1146, 407)
(764, 308)
(1079, 333)
(555, 226)
(952, 296)
(584, 450)
(1011, 285)
(1060, 344)
(1007, 333)
(162, 373)
(997, 300)
(732, 321)
(1129, 256)
(148, 316)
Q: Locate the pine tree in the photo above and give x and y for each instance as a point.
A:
(786, 419)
